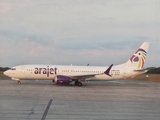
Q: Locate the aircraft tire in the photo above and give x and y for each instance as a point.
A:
(76, 82)
(79, 84)
(19, 83)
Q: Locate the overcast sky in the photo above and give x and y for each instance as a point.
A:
(78, 32)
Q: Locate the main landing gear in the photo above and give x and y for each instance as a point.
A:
(78, 83)
(19, 82)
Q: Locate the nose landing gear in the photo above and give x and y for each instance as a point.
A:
(19, 82)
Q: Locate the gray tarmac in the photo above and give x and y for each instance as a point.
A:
(103, 100)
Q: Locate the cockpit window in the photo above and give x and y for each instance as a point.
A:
(13, 68)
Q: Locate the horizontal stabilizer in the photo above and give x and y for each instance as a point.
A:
(143, 70)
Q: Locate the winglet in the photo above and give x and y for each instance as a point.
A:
(108, 71)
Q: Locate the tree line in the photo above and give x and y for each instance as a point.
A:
(154, 71)
(2, 69)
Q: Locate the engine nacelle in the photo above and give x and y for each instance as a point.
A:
(61, 79)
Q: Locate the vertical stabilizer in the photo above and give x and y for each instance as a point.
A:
(137, 61)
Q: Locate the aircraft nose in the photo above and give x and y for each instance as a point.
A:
(7, 73)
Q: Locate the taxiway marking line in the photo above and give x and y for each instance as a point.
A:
(47, 109)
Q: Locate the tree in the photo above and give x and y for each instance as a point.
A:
(4, 69)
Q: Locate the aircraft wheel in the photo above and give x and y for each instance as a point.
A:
(19, 82)
(76, 82)
(79, 84)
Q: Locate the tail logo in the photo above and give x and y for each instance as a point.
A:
(139, 57)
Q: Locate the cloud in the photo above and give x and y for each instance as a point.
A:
(77, 31)
(5, 7)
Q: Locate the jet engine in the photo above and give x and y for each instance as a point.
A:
(61, 79)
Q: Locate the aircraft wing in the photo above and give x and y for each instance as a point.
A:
(84, 76)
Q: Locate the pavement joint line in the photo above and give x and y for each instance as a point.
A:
(47, 109)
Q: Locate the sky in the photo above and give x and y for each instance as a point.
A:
(78, 32)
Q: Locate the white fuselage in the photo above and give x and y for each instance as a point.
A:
(47, 72)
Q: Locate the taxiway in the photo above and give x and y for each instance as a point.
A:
(109, 100)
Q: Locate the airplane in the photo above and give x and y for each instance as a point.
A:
(65, 74)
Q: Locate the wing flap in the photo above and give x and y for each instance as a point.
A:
(83, 76)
